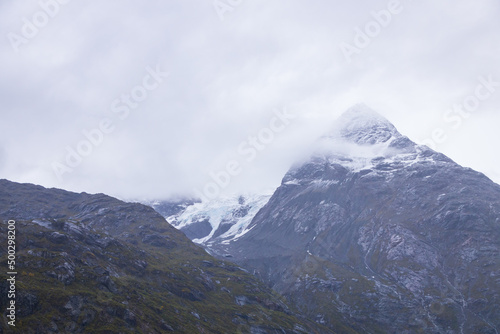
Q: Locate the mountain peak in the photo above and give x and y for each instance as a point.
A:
(364, 126)
(362, 111)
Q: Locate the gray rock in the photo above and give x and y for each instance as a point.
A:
(382, 231)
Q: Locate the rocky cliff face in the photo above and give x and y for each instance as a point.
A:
(94, 264)
(387, 235)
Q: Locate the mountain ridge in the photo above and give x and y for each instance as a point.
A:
(385, 234)
(92, 263)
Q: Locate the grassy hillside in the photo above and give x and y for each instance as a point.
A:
(94, 264)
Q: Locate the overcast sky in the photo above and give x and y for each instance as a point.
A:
(100, 67)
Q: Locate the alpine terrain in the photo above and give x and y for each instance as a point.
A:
(375, 231)
(94, 264)
(218, 221)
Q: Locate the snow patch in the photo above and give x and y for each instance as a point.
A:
(43, 223)
(223, 210)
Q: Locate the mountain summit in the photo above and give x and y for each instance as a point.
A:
(362, 125)
(379, 232)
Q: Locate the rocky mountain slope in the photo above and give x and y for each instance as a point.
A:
(94, 264)
(387, 235)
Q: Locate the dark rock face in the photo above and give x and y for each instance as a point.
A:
(388, 235)
(197, 230)
(94, 264)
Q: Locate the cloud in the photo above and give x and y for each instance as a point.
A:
(226, 78)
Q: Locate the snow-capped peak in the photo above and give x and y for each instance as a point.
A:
(360, 139)
(363, 126)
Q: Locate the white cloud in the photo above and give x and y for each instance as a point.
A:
(226, 77)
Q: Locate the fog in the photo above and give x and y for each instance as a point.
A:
(156, 99)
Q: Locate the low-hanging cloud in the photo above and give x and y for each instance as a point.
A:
(226, 78)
